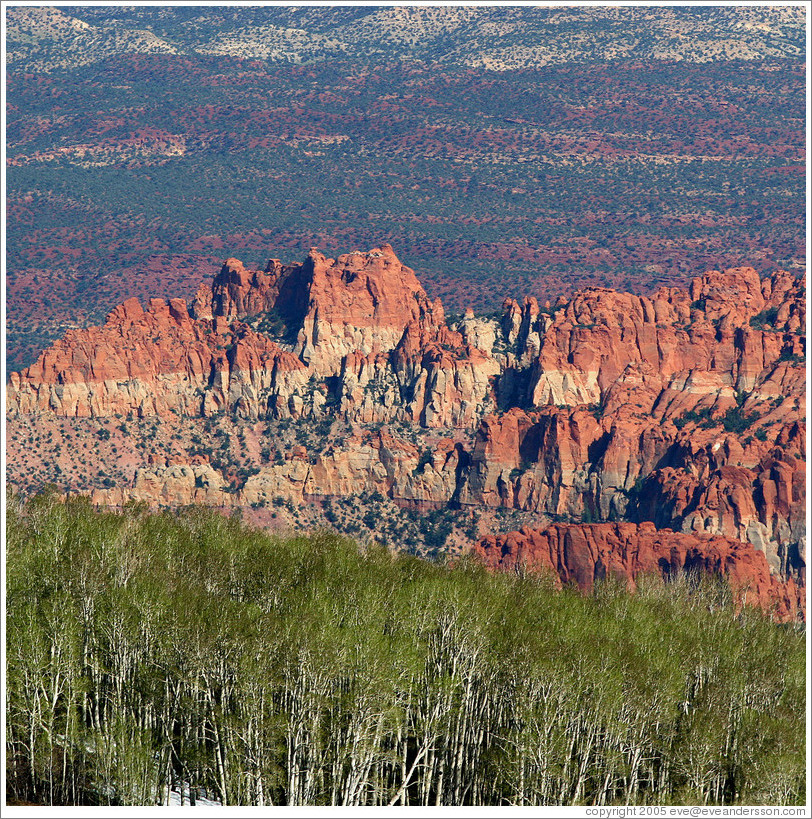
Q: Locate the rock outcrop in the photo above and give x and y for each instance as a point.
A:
(156, 361)
(607, 347)
(585, 554)
(363, 464)
(685, 409)
(358, 303)
(361, 322)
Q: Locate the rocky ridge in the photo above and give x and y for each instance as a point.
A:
(685, 409)
(507, 38)
(587, 554)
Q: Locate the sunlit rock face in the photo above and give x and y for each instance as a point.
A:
(685, 409)
(585, 554)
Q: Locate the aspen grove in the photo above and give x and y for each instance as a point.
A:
(154, 657)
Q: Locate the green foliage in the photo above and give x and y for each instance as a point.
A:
(792, 358)
(435, 527)
(423, 461)
(273, 323)
(765, 317)
(148, 649)
(734, 420)
(702, 417)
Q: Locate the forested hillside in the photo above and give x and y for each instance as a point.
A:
(149, 650)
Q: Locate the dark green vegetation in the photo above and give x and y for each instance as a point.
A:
(145, 650)
(734, 419)
(137, 174)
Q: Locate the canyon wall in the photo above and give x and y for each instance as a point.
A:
(684, 411)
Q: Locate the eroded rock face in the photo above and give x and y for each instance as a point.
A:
(764, 505)
(357, 303)
(360, 302)
(666, 409)
(153, 361)
(583, 554)
(362, 318)
(363, 464)
(701, 343)
(170, 484)
(686, 409)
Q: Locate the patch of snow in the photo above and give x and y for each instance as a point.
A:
(175, 799)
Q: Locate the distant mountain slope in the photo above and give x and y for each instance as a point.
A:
(491, 37)
(504, 151)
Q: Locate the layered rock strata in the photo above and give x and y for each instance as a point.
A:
(363, 464)
(153, 361)
(358, 331)
(685, 409)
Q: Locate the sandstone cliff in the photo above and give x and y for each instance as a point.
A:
(685, 409)
(588, 553)
(358, 330)
(152, 361)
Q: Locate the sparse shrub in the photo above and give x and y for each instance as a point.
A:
(702, 417)
(765, 317)
(734, 420)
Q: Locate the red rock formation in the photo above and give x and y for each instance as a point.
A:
(676, 387)
(239, 293)
(586, 553)
(339, 317)
(763, 505)
(151, 362)
(358, 302)
(686, 409)
(594, 338)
